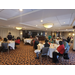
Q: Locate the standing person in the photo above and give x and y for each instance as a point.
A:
(9, 36)
(49, 37)
(51, 41)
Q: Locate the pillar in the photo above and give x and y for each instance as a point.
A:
(74, 41)
(21, 34)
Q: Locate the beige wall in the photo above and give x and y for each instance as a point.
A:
(4, 32)
(63, 34)
(66, 34)
(48, 33)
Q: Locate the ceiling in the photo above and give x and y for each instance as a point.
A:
(30, 19)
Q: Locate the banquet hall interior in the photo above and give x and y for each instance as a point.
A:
(29, 25)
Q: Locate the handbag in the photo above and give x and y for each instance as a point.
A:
(65, 56)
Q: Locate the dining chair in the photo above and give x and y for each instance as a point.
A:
(44, 51)
(5, 47)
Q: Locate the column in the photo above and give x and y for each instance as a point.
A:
(74, 41)
(21, 33)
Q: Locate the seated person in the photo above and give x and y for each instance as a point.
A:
(45, 45)
(66, 46)
(36, 43)
(31, 37)
(17, 42)
(51, 41)
(68, 39)
(4, 45)
(60, 51)
(46, 39)
(13, 38)
(0, 43)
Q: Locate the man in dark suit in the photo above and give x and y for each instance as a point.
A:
(9, 36)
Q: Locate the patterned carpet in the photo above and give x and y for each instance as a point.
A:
(24, 55)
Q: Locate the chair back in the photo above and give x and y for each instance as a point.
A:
(45, 50)
(5, 45)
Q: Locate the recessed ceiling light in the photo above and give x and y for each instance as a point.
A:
(41, 20)
(21, 9)
(36, 25)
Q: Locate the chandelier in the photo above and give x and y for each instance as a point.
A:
(48, 25)
(18, 28)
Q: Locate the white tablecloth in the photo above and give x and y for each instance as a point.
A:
(57, 41)
(12, 44)
(52, 48)
(27, 41)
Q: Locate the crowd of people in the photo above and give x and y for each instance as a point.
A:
(61, 49)
(4, 42)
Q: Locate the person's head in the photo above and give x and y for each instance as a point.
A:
(9, 32)
(46, 41)
(47, 38)
(5, 39)
(30, 36)
(60, 42)
(18, 38)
